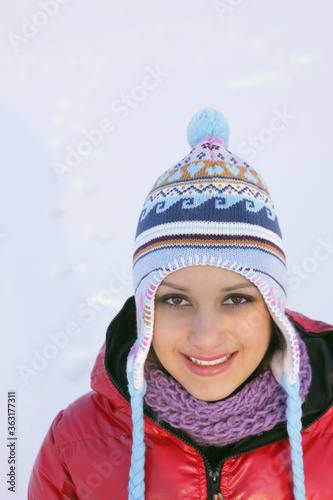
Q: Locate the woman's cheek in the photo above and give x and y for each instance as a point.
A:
(250, 319)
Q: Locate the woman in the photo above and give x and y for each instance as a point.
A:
(219, 373)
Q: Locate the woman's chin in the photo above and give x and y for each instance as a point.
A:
(209, 394)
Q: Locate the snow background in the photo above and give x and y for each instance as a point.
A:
(65, 238)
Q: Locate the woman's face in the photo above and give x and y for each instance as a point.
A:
(211, 330)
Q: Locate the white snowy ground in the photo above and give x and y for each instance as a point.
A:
(67, 68)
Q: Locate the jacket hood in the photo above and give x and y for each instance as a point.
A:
(110, 380)
(108, 376)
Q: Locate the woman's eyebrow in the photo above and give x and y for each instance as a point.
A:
(227, 289)
(170, 285)
(235, 287)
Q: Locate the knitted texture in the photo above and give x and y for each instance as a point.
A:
(294, 426)
(136, 486)
(258, 407)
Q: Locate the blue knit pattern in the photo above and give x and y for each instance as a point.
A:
(136, 486)
(294, 427)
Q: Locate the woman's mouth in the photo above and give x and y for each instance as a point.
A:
(209, 367)
(201, 362)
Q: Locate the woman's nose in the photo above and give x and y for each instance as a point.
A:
(207, 332)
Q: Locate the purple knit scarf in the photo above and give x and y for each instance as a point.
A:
(256, 408)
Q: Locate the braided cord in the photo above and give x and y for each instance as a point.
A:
(294, 426)
(136, 486)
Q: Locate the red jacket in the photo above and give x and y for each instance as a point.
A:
(86, 453)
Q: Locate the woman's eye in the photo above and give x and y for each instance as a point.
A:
(175, 301)
(236, 300)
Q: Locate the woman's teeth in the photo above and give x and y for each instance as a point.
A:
(209, 363)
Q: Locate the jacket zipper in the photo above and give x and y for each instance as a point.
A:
(213, 475)
(213, 483)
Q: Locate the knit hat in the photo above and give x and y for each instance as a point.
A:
(212, 209)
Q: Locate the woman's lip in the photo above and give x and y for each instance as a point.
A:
(206, 358)
(212, 370)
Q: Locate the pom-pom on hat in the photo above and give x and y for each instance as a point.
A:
(212, 209)
(206, 124)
